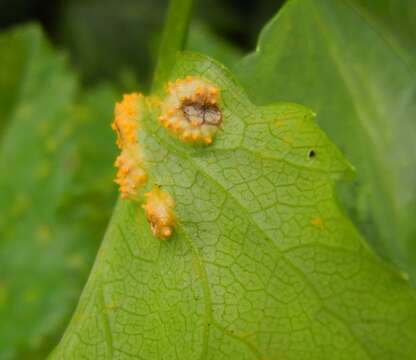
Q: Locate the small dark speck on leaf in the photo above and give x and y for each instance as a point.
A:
(311, 154)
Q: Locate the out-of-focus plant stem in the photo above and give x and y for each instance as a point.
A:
(173, 39)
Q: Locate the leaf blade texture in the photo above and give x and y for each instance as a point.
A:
(355, 71)
(262, 263)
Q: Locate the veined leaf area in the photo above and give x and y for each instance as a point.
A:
(262, 263)
(355, 70)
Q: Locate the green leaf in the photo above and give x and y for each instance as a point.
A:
(331, 57)
(203, 40)
(394, 21)
(110, 38)
(262, 263)
(173, 39)
(14, 55)
(55, 188)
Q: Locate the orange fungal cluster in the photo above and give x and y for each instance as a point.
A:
(191, 110)
(159, 212)
(126, 119)
(131, 174)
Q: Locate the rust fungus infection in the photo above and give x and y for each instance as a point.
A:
(131, 174)
(191, 110)
(318, 222)
(159, 212)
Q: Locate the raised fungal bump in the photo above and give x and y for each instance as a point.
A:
(191, 110)
(131, 175)
(159, 211)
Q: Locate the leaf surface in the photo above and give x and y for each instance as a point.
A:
(262, 263)
(55, 186)
(394, 21)
(352, 70)
(203, 40)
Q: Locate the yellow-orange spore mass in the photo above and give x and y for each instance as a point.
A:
(191, 110)
(131, 174)
(159, 210)
(127, 113)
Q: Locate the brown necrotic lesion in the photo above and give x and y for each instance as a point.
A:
(198, 114)
(191, 110)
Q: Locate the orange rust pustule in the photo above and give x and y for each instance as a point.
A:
(126, 119)
(131, 174)
(159, 211)
(191, 110)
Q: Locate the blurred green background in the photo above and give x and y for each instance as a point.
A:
(118, 40)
